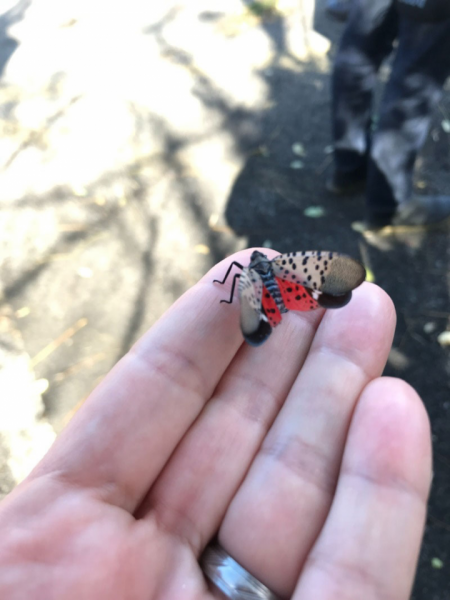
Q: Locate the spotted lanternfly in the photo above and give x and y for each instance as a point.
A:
(292, 281)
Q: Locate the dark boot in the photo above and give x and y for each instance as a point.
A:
(348, 183)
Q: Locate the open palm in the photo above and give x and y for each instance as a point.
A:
(313, 471)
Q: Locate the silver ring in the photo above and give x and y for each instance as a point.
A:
(230, 578)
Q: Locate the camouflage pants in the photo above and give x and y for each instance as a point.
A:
(420, 67)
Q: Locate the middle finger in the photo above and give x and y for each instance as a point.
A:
(193, 492)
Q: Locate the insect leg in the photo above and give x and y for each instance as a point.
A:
(228, 272)
(232, 289)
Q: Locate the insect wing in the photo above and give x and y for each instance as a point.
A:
(296, 297)
(254, 324)
(333, 275)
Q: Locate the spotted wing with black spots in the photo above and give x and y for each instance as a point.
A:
(254, 324)
(330, 273)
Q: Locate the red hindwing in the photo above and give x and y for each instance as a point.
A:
(295, 296)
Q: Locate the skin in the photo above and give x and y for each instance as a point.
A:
(313, 469)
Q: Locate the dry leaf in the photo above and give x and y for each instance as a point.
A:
(397, 359)
(297, 164)
(444, 338)
(429, 327)
(23, 312)
(298, 149)
(314, 212)
(201, 249)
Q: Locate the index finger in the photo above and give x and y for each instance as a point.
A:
(121, 438)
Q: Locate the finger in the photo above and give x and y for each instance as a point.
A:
(280, 508)
(122, 437)
(194, 490)
(370, 543)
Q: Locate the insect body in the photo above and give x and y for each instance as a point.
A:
(292, 281)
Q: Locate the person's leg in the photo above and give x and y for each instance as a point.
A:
(421, 66)
(366, 41)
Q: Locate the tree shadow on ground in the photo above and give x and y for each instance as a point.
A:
(270, 202)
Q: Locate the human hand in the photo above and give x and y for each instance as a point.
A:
(313, 470)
